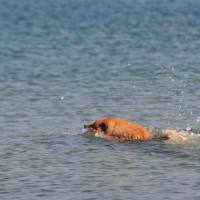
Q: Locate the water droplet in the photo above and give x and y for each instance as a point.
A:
(62, 98)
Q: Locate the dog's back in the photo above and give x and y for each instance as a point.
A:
(123, 129)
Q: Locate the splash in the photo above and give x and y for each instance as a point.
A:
(185, 136)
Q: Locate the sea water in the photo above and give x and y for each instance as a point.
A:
(64, 63)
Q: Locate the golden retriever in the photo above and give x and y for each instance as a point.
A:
(111, 128)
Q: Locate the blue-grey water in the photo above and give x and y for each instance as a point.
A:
(64, 63)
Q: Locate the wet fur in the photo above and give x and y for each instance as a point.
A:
(120, 129)
(111, 128)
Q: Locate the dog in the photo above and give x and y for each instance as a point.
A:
(111, 128)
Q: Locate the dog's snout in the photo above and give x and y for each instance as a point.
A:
(89, 126)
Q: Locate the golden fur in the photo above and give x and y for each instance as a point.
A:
(120, 129)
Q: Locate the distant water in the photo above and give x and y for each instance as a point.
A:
(66, 63)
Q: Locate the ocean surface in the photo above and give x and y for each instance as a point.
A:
(64, 63)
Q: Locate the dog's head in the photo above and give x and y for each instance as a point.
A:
(100, 124)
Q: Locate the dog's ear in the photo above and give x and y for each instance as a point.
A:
(103, 126)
